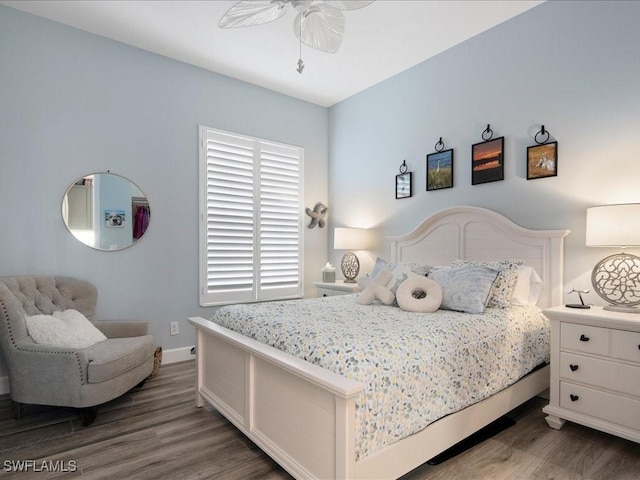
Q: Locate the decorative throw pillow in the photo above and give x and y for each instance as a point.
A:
(505, 283)
(400, 271)
(377, 289)
(466, 288)
(67, 329)
(420, 269)
(419, 294)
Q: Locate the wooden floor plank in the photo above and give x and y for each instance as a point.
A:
(156, 432)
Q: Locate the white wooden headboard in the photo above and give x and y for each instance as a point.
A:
(475, 233)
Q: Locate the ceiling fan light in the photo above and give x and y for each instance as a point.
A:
(250, 13)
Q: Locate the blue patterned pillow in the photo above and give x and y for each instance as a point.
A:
(465, 289)
(505, 283)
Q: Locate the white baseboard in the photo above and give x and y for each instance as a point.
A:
(177, 355)
(168, 356)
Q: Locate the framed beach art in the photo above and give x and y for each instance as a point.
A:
(542, 160)
(487, 161)
(403, 181)
(440, 170)
(403, 185)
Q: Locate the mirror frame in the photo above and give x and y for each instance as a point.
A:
(95, 225)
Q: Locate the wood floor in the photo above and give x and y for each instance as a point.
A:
(156, 432)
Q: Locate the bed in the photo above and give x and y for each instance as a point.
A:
(304, 416)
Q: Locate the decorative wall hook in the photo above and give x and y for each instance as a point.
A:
(439, 146)
(403, 167)
(487, 133)
(542, 132)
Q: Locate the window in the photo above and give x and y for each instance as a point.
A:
(250, 219)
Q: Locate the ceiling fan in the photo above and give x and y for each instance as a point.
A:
(319, 23)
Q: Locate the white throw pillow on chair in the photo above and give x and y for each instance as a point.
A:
(65, 329)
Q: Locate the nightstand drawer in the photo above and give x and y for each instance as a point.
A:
(606, 406)
(584, 338)
(625, 345)
(600, 373)
(327, 292)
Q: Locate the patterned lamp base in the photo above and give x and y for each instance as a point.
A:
(350, 267)
(616, 279)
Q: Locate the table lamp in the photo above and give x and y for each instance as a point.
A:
(616, 278)
(350, 239)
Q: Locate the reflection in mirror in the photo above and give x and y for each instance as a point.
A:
(106, 211)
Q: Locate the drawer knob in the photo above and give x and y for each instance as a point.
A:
(584, 338)
(573, 397)
(573, 367)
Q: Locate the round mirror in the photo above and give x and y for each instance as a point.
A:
(106, 211)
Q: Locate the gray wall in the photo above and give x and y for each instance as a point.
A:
(72, 103)
(572, 66)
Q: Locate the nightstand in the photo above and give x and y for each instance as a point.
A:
(595, 370)
(338, 288)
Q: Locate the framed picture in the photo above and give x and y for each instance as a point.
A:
(487, 161)
(114, 218)
(403, 185)
(440, 170)
(542, 160)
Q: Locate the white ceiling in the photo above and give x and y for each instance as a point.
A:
(381, 40)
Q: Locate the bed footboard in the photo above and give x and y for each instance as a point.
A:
(303, 416)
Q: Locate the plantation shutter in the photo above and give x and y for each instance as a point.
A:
(250, 246)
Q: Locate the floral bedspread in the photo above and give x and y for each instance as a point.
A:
(416, 367)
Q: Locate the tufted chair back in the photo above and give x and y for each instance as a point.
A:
(33, 295)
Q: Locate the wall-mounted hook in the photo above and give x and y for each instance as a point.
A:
(542, 132)
(487, 134)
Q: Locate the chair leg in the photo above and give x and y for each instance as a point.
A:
(17, 409)
(88, 416)
(140, 384)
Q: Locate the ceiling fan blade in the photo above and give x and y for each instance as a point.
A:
(349, 4)
(250, 13)
(322, 27)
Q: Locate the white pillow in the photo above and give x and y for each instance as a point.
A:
(528, 286)
(419, 294)
(67, 329)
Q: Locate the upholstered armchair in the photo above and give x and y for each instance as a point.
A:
(83, 378)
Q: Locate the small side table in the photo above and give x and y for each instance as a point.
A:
(338, 288)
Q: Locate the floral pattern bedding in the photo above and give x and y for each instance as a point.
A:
(416, 367)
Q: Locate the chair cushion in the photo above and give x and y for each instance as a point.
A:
(115, 356)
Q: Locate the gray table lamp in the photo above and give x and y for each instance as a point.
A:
(350, 239)
(616, 278)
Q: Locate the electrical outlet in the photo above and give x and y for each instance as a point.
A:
(175, 329)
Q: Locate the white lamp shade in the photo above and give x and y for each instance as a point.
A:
(350, 239)
(613, 225)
